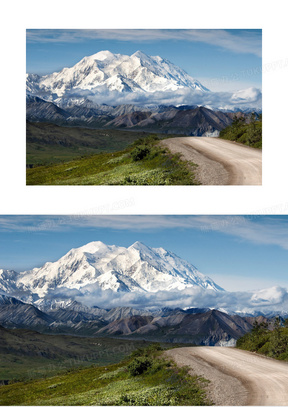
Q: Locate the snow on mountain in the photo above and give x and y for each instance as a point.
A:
(158, 269)
(8, 280)
(138, 276)
(108, 79)
(95, 266)
(77, 268)
(113, 72)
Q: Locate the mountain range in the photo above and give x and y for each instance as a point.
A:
(187, 120)
(105, 71)
(67, 296)
(96, 266)
(198, 326)
(145, 81)
(141, 277)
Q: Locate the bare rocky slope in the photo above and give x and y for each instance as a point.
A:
(194, 326)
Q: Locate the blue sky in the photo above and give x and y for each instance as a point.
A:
(238, 252)
(223, 60)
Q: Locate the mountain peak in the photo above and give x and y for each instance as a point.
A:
(138, 246)
(105, 71)
(93, 247)
(102, 55)
(97, 266)
(140, 54)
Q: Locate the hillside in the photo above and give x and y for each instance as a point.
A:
(192, 326)
(48, 143)
(245, 132)
(267, 340)
(144, 163)
(143, 379)
(26, 354)
(210, 328)
(188, 120)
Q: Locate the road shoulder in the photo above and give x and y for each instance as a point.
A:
(208, 171)
(220, 162)
(223, 389)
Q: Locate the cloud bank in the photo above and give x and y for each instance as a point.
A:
(271, 300)
(250, 98)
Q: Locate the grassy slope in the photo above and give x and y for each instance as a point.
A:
(28, 354)
(249, 134)
(272, 343)
(159, 383)
(48, 143)
(157, 167)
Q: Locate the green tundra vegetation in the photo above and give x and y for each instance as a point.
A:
(145, 162)
(145, 378)
(266, 341)
(47, 143)
(248, 133)
(28, 354)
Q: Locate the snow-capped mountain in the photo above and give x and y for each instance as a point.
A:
(113, 72)
(8, 279)
(95, 266)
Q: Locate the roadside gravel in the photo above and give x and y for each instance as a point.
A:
(220, 162)
(237, 377)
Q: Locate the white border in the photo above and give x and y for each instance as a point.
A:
(17, 198)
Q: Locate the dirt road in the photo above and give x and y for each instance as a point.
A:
(237, 377)
(220, 162)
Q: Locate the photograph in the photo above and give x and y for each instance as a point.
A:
(143, 240)
(143, 310)
(144, 107)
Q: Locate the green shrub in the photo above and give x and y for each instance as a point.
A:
(157, 396)
(140, 152)
(139, 365)
(146, 141)
(147, 351)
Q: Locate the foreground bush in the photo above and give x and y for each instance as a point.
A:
(139, 366)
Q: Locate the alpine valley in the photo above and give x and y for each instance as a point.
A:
(139, 293)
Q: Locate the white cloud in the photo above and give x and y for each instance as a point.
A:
(258, 229)
(271, 230)
(273, 299)
(248, 98)
(246, 42)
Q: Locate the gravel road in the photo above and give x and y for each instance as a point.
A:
(220, 162)
(237, 377)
